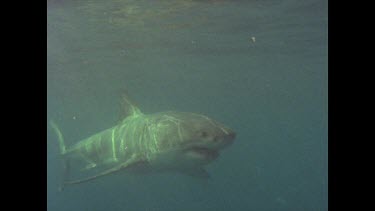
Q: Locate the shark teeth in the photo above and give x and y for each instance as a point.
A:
(209, 153)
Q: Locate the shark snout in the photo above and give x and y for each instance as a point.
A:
(231, 135)
(225, 139)
(229, 138)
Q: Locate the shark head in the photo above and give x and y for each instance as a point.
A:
(197, 138)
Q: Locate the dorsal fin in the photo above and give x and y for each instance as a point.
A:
(128, 107)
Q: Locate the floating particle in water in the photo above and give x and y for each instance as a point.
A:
(253, 39)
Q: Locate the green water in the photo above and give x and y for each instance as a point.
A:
(259, 67)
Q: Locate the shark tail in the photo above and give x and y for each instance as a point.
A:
(62, 148)
(59, 136)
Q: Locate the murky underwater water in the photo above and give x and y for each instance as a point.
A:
(259, 67)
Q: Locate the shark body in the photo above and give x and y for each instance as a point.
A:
(166, 141)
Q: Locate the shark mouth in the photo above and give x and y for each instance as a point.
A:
(205, 152)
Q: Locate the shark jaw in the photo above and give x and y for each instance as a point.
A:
(207, 149)
(203, 153)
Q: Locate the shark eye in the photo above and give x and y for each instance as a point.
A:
(203, 134)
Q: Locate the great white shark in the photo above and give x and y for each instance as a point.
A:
(167, 141)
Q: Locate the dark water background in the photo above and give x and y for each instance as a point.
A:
(196, 56)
